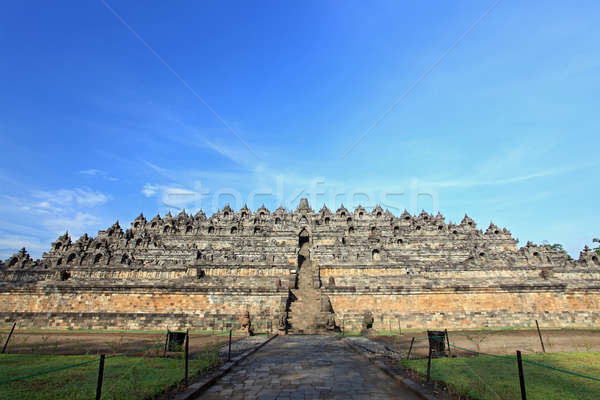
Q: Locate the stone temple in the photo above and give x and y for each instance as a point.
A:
(299, 272)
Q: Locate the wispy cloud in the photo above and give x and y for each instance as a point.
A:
(33, 220)
(68, 197)
(218, 116)
(92, 172)
(77, 224)
(98, 173)
(469, 182)
(150, 190)
(9, 244)
(165, 173)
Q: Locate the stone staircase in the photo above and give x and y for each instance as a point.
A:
(305, 301)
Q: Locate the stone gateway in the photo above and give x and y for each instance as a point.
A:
(299, 272)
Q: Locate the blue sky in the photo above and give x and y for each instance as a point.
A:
(264, 103)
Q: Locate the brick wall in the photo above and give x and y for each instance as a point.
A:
(154, 311)
(468, 310)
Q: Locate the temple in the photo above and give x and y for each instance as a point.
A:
(299, 272)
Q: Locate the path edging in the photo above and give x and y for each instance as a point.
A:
(406, 382)
(195, 389)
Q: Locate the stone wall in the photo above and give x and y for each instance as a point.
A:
(467, 310)
(149, 310)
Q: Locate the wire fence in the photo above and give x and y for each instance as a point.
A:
(131, 374)
(486, 375)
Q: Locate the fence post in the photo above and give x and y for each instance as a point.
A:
(448, 341)
(166, 342)
(429, 364)
(410, 348)
(187, 354)
(540, 335)
(229, 351)
(9, 335)
(521, 377)
(100, 378)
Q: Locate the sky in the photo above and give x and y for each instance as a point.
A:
(112, 108)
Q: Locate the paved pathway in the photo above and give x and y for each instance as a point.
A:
(306, 367)
(240, 346)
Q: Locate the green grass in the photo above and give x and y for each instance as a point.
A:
(124, 377)
(4, 331)
(149, 332)
(490, 377)
(67, 330)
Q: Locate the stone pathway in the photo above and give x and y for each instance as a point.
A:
(240, 346)
(306, 367)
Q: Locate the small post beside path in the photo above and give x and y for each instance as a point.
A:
(540, 335)
(429, 365)
(521, 377)
(100, 377)
(448, 341)
(8, 338)
(410, 348)
(229, 351)
(187, 355)
(166, 343)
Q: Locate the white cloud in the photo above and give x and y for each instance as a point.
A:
(69, 197)
(77, 224)
(92, 172)
(150, 190)
(10, 243)
(172, 196)
(175, 197)
(492, 181)
(36, 218)
(161, 171)
(98, 173)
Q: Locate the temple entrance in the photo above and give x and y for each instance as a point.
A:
(303, 238)
(304, 308)
(303, 251)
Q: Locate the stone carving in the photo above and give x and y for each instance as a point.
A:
(246, 324)
(367, 322)
(282, 323)
(330, 322)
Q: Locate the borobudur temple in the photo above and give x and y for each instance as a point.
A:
(299, 272)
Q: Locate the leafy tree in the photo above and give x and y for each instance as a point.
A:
(597, 248)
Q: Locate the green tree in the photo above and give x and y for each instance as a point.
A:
(597, 248)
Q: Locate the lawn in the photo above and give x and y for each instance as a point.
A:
(490, 377)
(124, 377)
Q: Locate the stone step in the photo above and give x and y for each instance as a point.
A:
(306, 301)
(305, 310)
(308, 295)
(309, 331)
(303, 316)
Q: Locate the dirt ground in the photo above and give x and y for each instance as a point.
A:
(495, 342)
(74, 343)
(501, 342)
